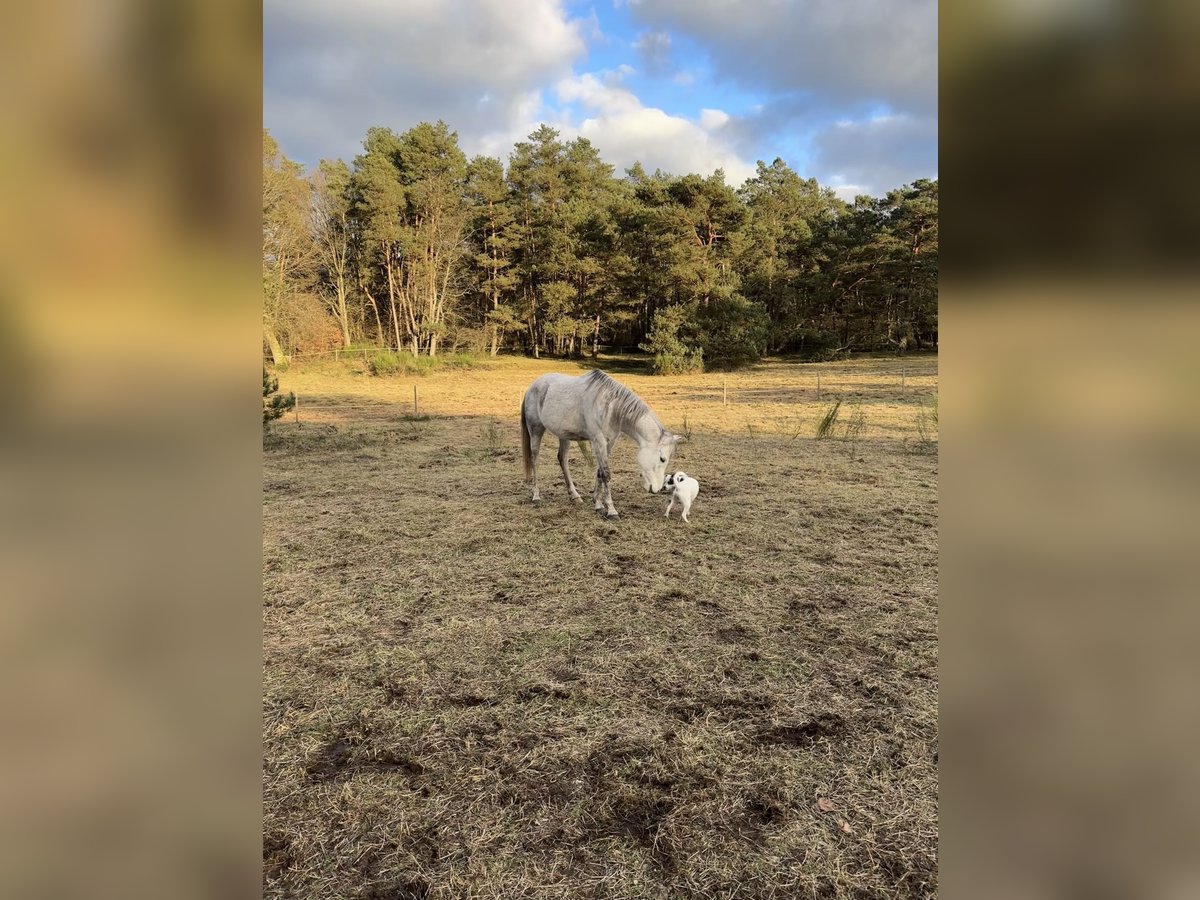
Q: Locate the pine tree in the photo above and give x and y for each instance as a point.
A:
(275, 404)
(494, 239)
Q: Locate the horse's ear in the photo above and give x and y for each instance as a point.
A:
(678, 438)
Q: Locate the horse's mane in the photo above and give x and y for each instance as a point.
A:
(627, 405)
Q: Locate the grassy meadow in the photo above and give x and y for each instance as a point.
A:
(467, 696)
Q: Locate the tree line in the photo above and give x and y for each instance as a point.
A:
(413, 247)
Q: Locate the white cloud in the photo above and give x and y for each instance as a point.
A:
(331, 70)
(529, 112)
(596, 94)
(817, 61)
(625, 131)
(878, 153)
(842, 50)
(848, 192)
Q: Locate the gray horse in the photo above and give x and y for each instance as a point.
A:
(594, 408)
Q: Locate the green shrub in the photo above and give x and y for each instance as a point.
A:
(275, 404)
(382, 362)
(828, 421)
(672, 364)
(732, 331)
(393, 362)
(671, 355)
(459, 361)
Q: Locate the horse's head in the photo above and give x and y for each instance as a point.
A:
(653, 458)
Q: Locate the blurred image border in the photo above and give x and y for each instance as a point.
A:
(130, 336)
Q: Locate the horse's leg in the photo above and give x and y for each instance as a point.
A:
(608, 445)
(612, 510)
(596, 486)
(603, 492)
(564, 448)
(600, 449)
(535, 444)
(603, 501)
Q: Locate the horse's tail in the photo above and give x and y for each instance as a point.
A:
(526, 450)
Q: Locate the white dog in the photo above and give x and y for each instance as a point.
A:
(683, 488)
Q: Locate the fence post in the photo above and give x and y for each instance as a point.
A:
(296, 409)
(725, 390)
(414, 401)
(818, 385)
(903, 379)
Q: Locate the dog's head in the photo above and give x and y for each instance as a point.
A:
(673, 481)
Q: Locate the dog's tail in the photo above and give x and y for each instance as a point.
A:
(526, 450)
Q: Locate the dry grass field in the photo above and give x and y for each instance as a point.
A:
(467, 696)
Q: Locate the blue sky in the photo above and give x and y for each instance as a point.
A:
(843, 90)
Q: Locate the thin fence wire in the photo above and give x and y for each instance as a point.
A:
(337, 351)
(821, 387)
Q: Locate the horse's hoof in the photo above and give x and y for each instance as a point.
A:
(612, 516)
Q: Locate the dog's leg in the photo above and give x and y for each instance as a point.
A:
(687, 506)
(667, 514)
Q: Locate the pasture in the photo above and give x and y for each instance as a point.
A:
(467, 696)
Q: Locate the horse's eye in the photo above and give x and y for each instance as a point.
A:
(661, 460)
